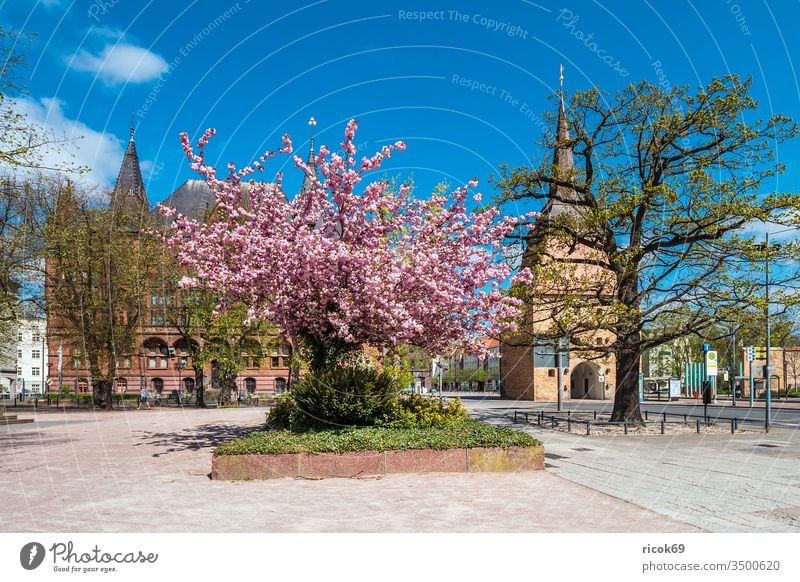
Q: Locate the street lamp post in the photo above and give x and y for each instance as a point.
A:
(768, 365)
(767, 370)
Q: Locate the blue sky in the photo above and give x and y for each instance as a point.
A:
(464, 83)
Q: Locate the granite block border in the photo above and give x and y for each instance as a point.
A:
(377, 463)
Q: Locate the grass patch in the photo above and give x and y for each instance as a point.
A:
(465, 434)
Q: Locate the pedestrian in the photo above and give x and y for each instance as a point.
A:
(143, 399)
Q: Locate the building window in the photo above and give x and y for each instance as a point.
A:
(19, 354)
(158, 385)
(34, 371)
(36, 354)
(36, 388)
(280, 385)
(158, 319)
(157, 353)
(276, 362)
(250, 385)
(37, 337)
(125, 362)
(19, 337)
(19, 371)
(188, 385)
(121, 384)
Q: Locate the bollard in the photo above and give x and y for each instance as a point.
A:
(698, 426)
(664, 416)
(588, 428)
(645, 415)
(735, 423)
(595, 415)
(539, 419)
(569, 423)
(553, 421)
(515, 416)
(625, 424)
(684, 419)
(663, 426)
(526, 418)
(733, 430)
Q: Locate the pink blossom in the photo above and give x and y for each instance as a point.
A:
(378, 267)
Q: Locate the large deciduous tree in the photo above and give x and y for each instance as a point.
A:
(339, 269)
(98, 275)
(666, 188)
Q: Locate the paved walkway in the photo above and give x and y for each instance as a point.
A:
(148, 471)
(720, 483)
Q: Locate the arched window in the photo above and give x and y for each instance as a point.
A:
(158, 385)
(157, 353)
(188, 385)
(250, 385)
(183, 348)
(280, 385)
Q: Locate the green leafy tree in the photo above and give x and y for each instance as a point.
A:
(97, 281)
(229, 341)
(659, 203)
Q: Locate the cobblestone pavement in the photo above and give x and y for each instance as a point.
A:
(720, 483)
(148, 471)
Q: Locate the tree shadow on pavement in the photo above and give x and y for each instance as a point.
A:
(206, 436)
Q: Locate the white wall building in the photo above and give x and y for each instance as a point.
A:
(31, 356)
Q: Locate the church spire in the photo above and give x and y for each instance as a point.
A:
(129, 193)
(311, 162)
(563, 163)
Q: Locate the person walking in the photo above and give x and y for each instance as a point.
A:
(143, 399)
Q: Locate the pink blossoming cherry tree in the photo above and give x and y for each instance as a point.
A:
(340, 269)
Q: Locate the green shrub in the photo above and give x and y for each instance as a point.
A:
(415, 410)
(281, 415)
(343, 396)
(460, 434)
(793, 394)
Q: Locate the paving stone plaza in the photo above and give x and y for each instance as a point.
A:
(148, 471)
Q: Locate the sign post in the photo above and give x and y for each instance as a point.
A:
(751, 355)
(711, 370)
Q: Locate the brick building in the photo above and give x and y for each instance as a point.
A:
(569, 282)
(162, 361)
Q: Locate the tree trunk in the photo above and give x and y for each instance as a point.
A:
(294, 363)
(102, 393)
(199, 387)
(227, 387)
(626, 397)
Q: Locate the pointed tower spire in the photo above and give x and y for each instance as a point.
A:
(563, 163)
(311, 162)
(129, 194)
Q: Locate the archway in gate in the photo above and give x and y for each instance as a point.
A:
(585, 381)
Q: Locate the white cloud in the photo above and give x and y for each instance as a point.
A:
(102, 152)
(120, 63)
